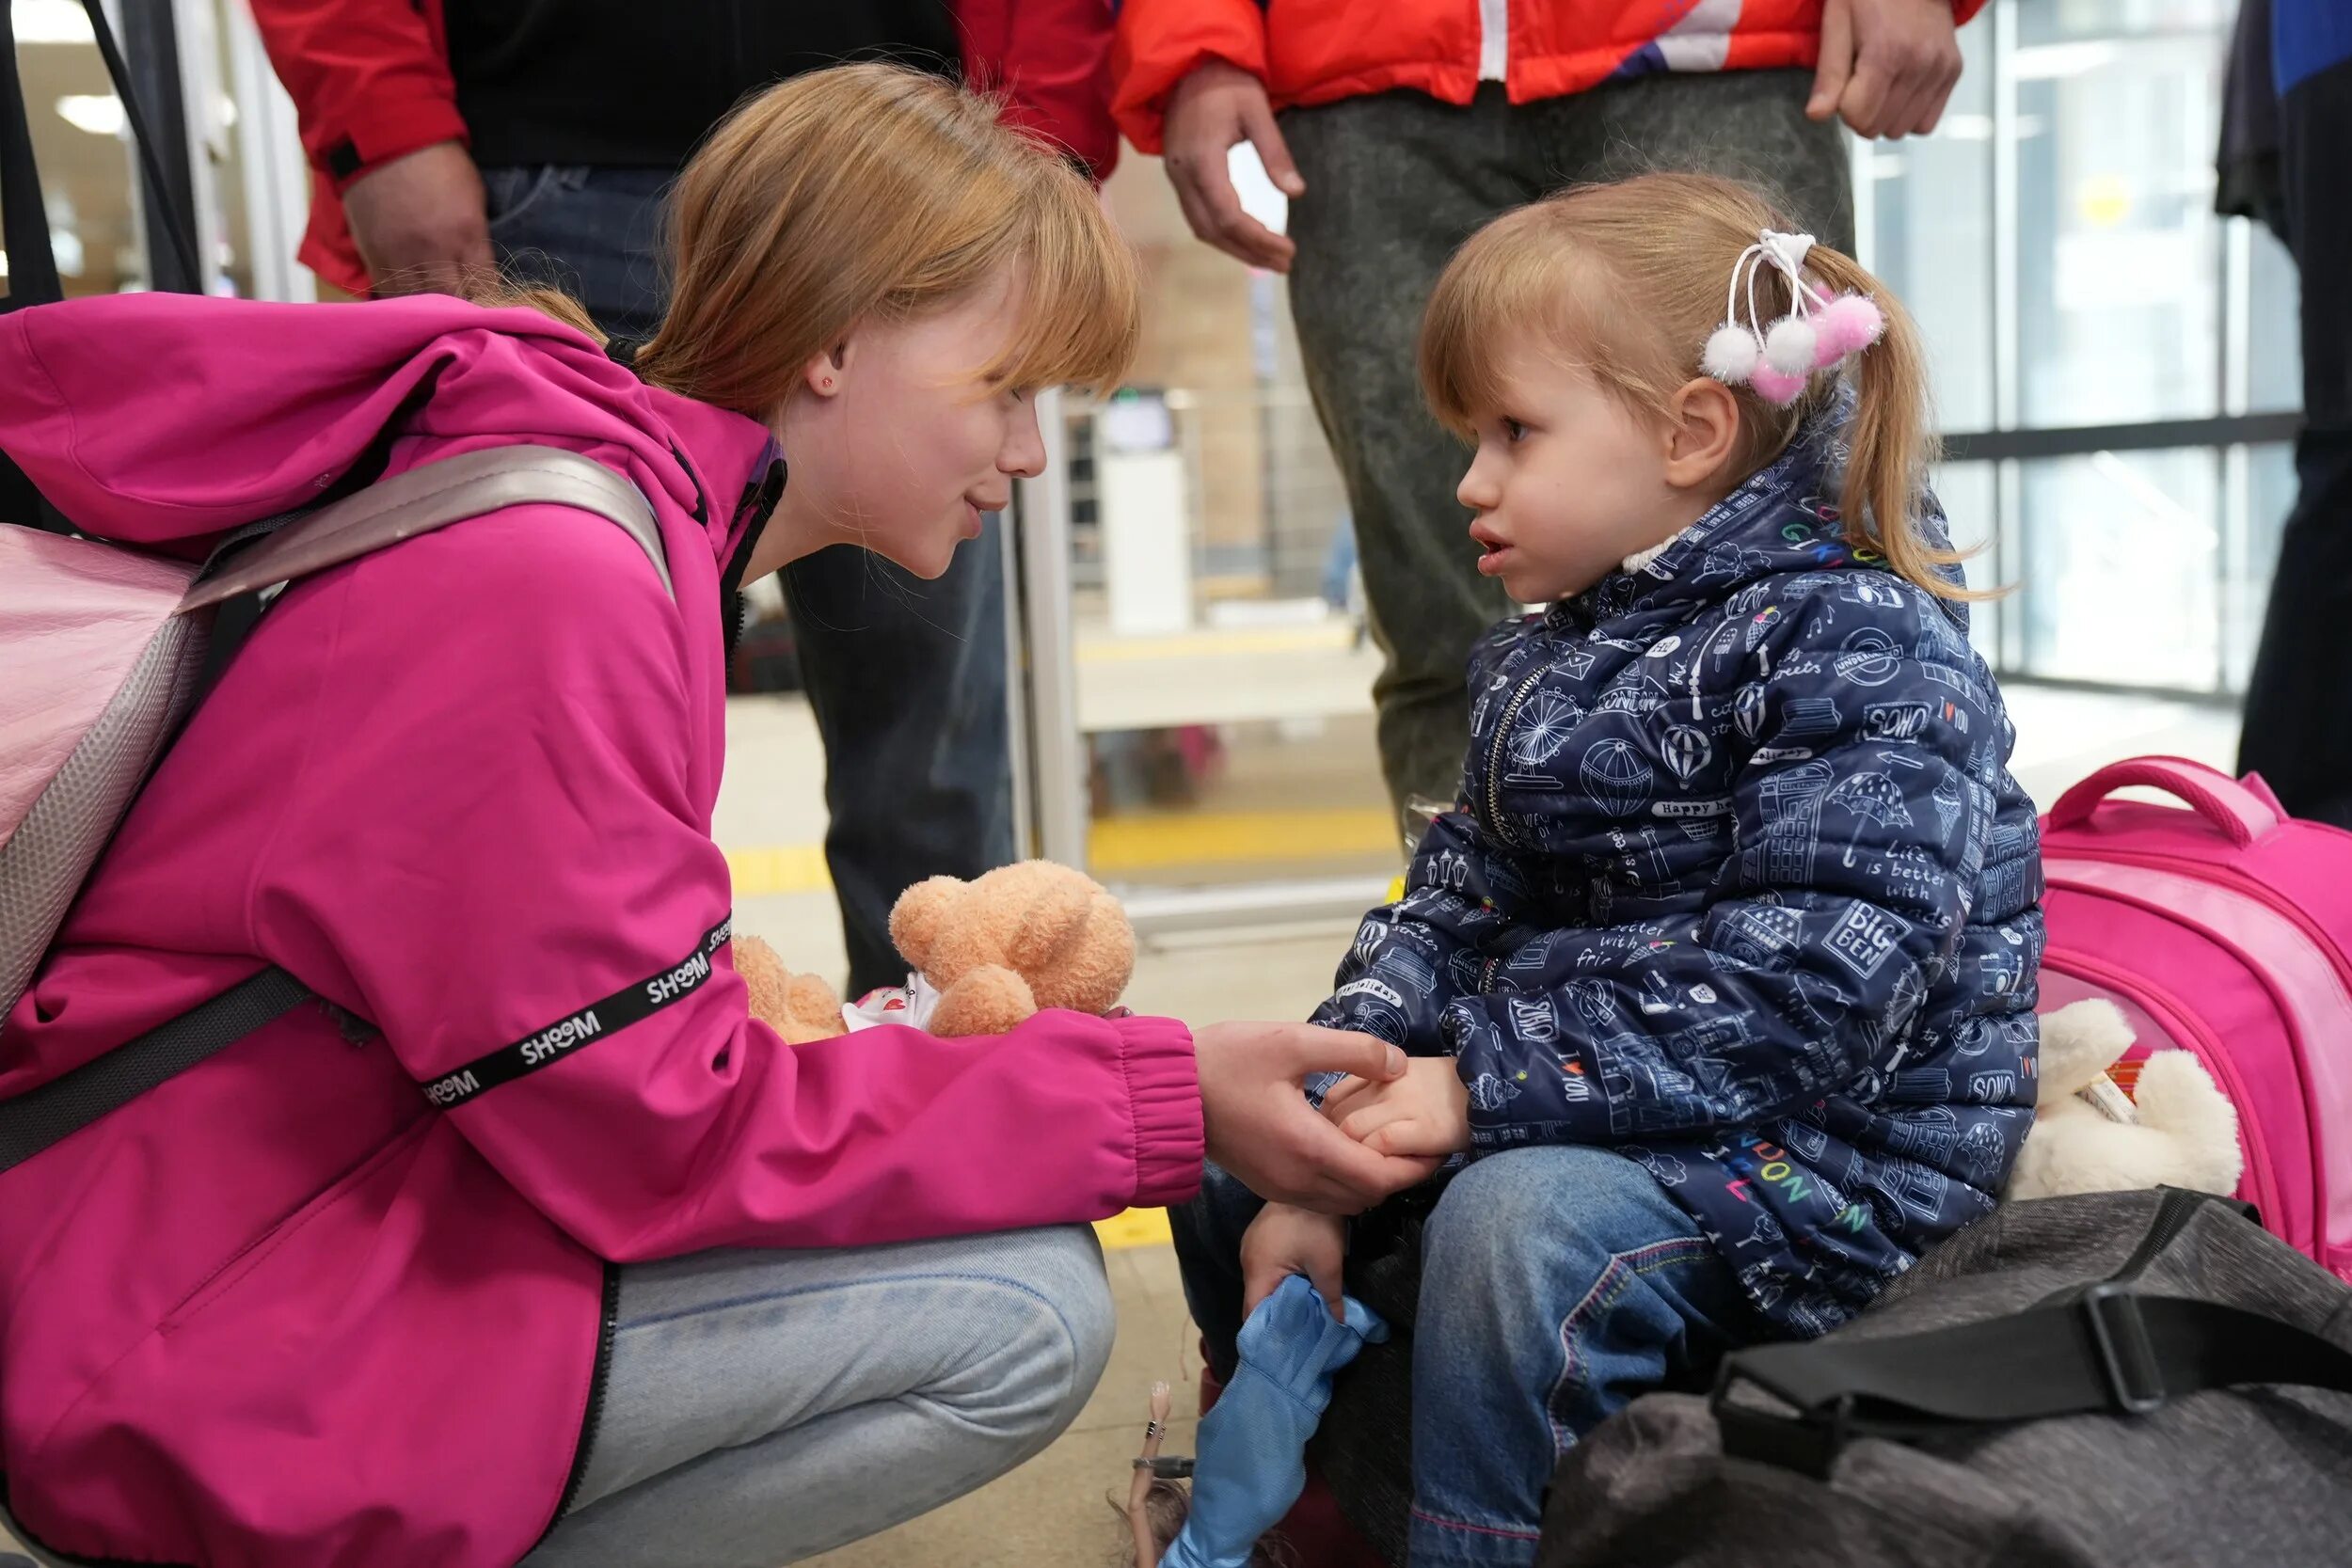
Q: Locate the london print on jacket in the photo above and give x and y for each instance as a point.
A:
(1740, 886)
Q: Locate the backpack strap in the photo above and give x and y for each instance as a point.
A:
(432, 497)
(66, 1104)
(415, 502)
(2110, 1349)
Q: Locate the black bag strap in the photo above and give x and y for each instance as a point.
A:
(2110, 1349)
(32, 265)
(24, 222)
(34, 1120)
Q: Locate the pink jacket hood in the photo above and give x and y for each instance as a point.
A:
(166, 421)
(324, 1304)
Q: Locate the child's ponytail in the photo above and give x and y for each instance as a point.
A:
(1892, 439)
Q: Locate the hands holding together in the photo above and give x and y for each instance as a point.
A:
(1415, 1117)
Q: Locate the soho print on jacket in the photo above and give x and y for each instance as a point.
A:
(1742, 887)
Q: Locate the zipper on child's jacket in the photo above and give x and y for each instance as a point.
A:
(1494, 758)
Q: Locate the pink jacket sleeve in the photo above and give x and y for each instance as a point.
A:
(497, 850)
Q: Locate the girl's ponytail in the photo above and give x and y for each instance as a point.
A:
(1891, 440)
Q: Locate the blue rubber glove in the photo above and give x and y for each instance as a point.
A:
(1250, 1460)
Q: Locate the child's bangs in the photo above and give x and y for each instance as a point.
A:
(1080, 302)
(1510, 281)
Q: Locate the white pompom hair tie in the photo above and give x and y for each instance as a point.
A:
(1819, 332)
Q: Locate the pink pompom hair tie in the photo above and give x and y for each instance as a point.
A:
(1819, 332)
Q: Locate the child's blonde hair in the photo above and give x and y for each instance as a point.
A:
(876, 191)
(1626, 280)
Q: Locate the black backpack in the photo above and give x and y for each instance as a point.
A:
(2124, 1378)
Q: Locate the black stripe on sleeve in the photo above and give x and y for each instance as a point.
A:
(631, 1005)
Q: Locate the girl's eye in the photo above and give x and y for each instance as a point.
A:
(1513, 431)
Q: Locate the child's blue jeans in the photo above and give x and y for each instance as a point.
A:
(1557, 1284)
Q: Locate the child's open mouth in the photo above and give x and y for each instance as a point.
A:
(1494, 551)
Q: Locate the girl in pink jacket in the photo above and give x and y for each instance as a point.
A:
(485, 1282)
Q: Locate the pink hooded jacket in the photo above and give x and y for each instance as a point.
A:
(286, 1309)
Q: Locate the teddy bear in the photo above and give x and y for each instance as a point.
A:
(2177, 1129)
(1012, 943)
(800, 1008)
(989, 953)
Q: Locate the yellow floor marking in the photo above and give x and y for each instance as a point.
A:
(1136, 1227)
(1129, 844)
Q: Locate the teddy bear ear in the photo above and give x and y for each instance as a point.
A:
(2079, 1042)
(917, 918)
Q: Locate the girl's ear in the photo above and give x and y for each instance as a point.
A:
(825, 373)
(1702, 430)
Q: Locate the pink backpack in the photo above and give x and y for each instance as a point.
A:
(2221, 930)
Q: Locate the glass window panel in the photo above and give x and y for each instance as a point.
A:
(2120, 568)
(1967, 491)
(2118, 270)
(76, 123)
(1931, 236)
(2274, 331)
(2271, 492)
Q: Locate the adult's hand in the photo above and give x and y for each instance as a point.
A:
(422, 221)
(1887, 66)
(1211, 110)
(1261, 1128)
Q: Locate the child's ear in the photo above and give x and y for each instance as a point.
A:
(826, 372)
(1702, 428)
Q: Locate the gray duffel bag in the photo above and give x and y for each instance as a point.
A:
(2117, 1378)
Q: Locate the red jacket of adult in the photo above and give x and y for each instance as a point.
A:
(1315, 50)
(370, 81)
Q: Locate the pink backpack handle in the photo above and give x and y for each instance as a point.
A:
(2241, 813)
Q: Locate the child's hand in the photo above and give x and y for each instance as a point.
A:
(1283, 1240)
(1425, 1113)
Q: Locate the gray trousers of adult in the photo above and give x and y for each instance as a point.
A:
(762, 1407)
(1396, 182)
(906, 677)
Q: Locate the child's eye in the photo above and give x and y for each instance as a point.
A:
(1513, 431)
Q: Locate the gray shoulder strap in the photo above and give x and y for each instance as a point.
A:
(435, 496)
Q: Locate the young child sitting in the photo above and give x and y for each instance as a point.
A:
(1721, 973)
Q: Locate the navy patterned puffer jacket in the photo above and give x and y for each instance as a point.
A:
(1740, 886)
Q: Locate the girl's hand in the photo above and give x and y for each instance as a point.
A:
(1262, 1129)
(1283, 1240)
(1425, 1114)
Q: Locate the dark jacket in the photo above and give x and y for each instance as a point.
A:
(1741, 886)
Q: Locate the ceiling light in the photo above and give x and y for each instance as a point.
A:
(50, 22)
(100, 114)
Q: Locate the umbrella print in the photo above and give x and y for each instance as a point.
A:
(1872, 797)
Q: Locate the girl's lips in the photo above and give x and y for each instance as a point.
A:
(1495, 561)
(971, 521)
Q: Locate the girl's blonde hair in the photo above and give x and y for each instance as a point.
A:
(875, 191)
(1624, 282)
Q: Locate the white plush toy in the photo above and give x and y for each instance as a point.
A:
(2176, 1131)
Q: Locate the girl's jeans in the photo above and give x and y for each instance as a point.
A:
(762, 1407)
(1557, 1284)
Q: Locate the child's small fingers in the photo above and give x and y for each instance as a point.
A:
(1407, 1137)
(1344, 1095)
(1324, 1278)
(1366, 1119)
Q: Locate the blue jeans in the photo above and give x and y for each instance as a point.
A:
(1557, 1284)
(762, 1407)
(907, 677)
